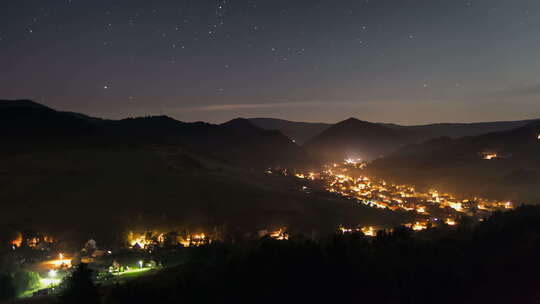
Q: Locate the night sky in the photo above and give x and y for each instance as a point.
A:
(402, 61)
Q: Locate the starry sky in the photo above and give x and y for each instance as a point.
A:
(401, 61)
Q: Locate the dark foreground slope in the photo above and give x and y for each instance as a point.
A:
(457, 165)
(493, 262)
(78, 193)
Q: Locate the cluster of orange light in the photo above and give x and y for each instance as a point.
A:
(310, 175)
(379, 194)
(450, 222)
(490, 156)
(416, 226)
(33, 242)
(193, 240)
(367, 230)
(145, 240)
(61, 262)
(279, 234)
(17, 242)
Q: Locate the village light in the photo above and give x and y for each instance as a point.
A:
(52, 273)
(140, 264)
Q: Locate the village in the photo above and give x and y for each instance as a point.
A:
(46, 262)
(143, 252)
(433, 208)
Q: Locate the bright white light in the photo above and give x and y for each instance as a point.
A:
(52, 273)
(47, 282)
(140, 264)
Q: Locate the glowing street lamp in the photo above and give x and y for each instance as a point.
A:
(140, 264)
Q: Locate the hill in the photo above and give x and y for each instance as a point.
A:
(300, 132)
(25, 119)
(63, 170)
(357, 139)
(102, 191)
(366, 140)
(385, 269)
(238, 141)
(504, 165)
(456, 130)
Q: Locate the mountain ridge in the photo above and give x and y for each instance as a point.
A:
(238, 140)
(305, 131)
(512, 172)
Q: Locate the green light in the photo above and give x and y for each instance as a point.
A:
(132, 271)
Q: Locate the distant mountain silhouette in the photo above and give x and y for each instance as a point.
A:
(236, 141)
(303, 131)
(458, 166)
(355, 138)
(456, 130)
(300, 132)
(23, 119)
(63, 170)
(249, 140)
(521, 141)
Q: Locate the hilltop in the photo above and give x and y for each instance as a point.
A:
(502, 165)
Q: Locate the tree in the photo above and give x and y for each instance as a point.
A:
(80, 288)
(7, 288)
(25, 280)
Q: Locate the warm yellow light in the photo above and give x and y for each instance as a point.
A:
(378, 193)
(369, 231)
(62, 261)
(419, 226)
(456, 206)
(345, 230)
(279, 235)
(18, 240)
(185, 242)
(490, 156)
(450, 222)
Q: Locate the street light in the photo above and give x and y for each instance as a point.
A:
(52, 273)
(140, 264)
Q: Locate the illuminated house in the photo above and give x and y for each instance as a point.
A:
(489, 155)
